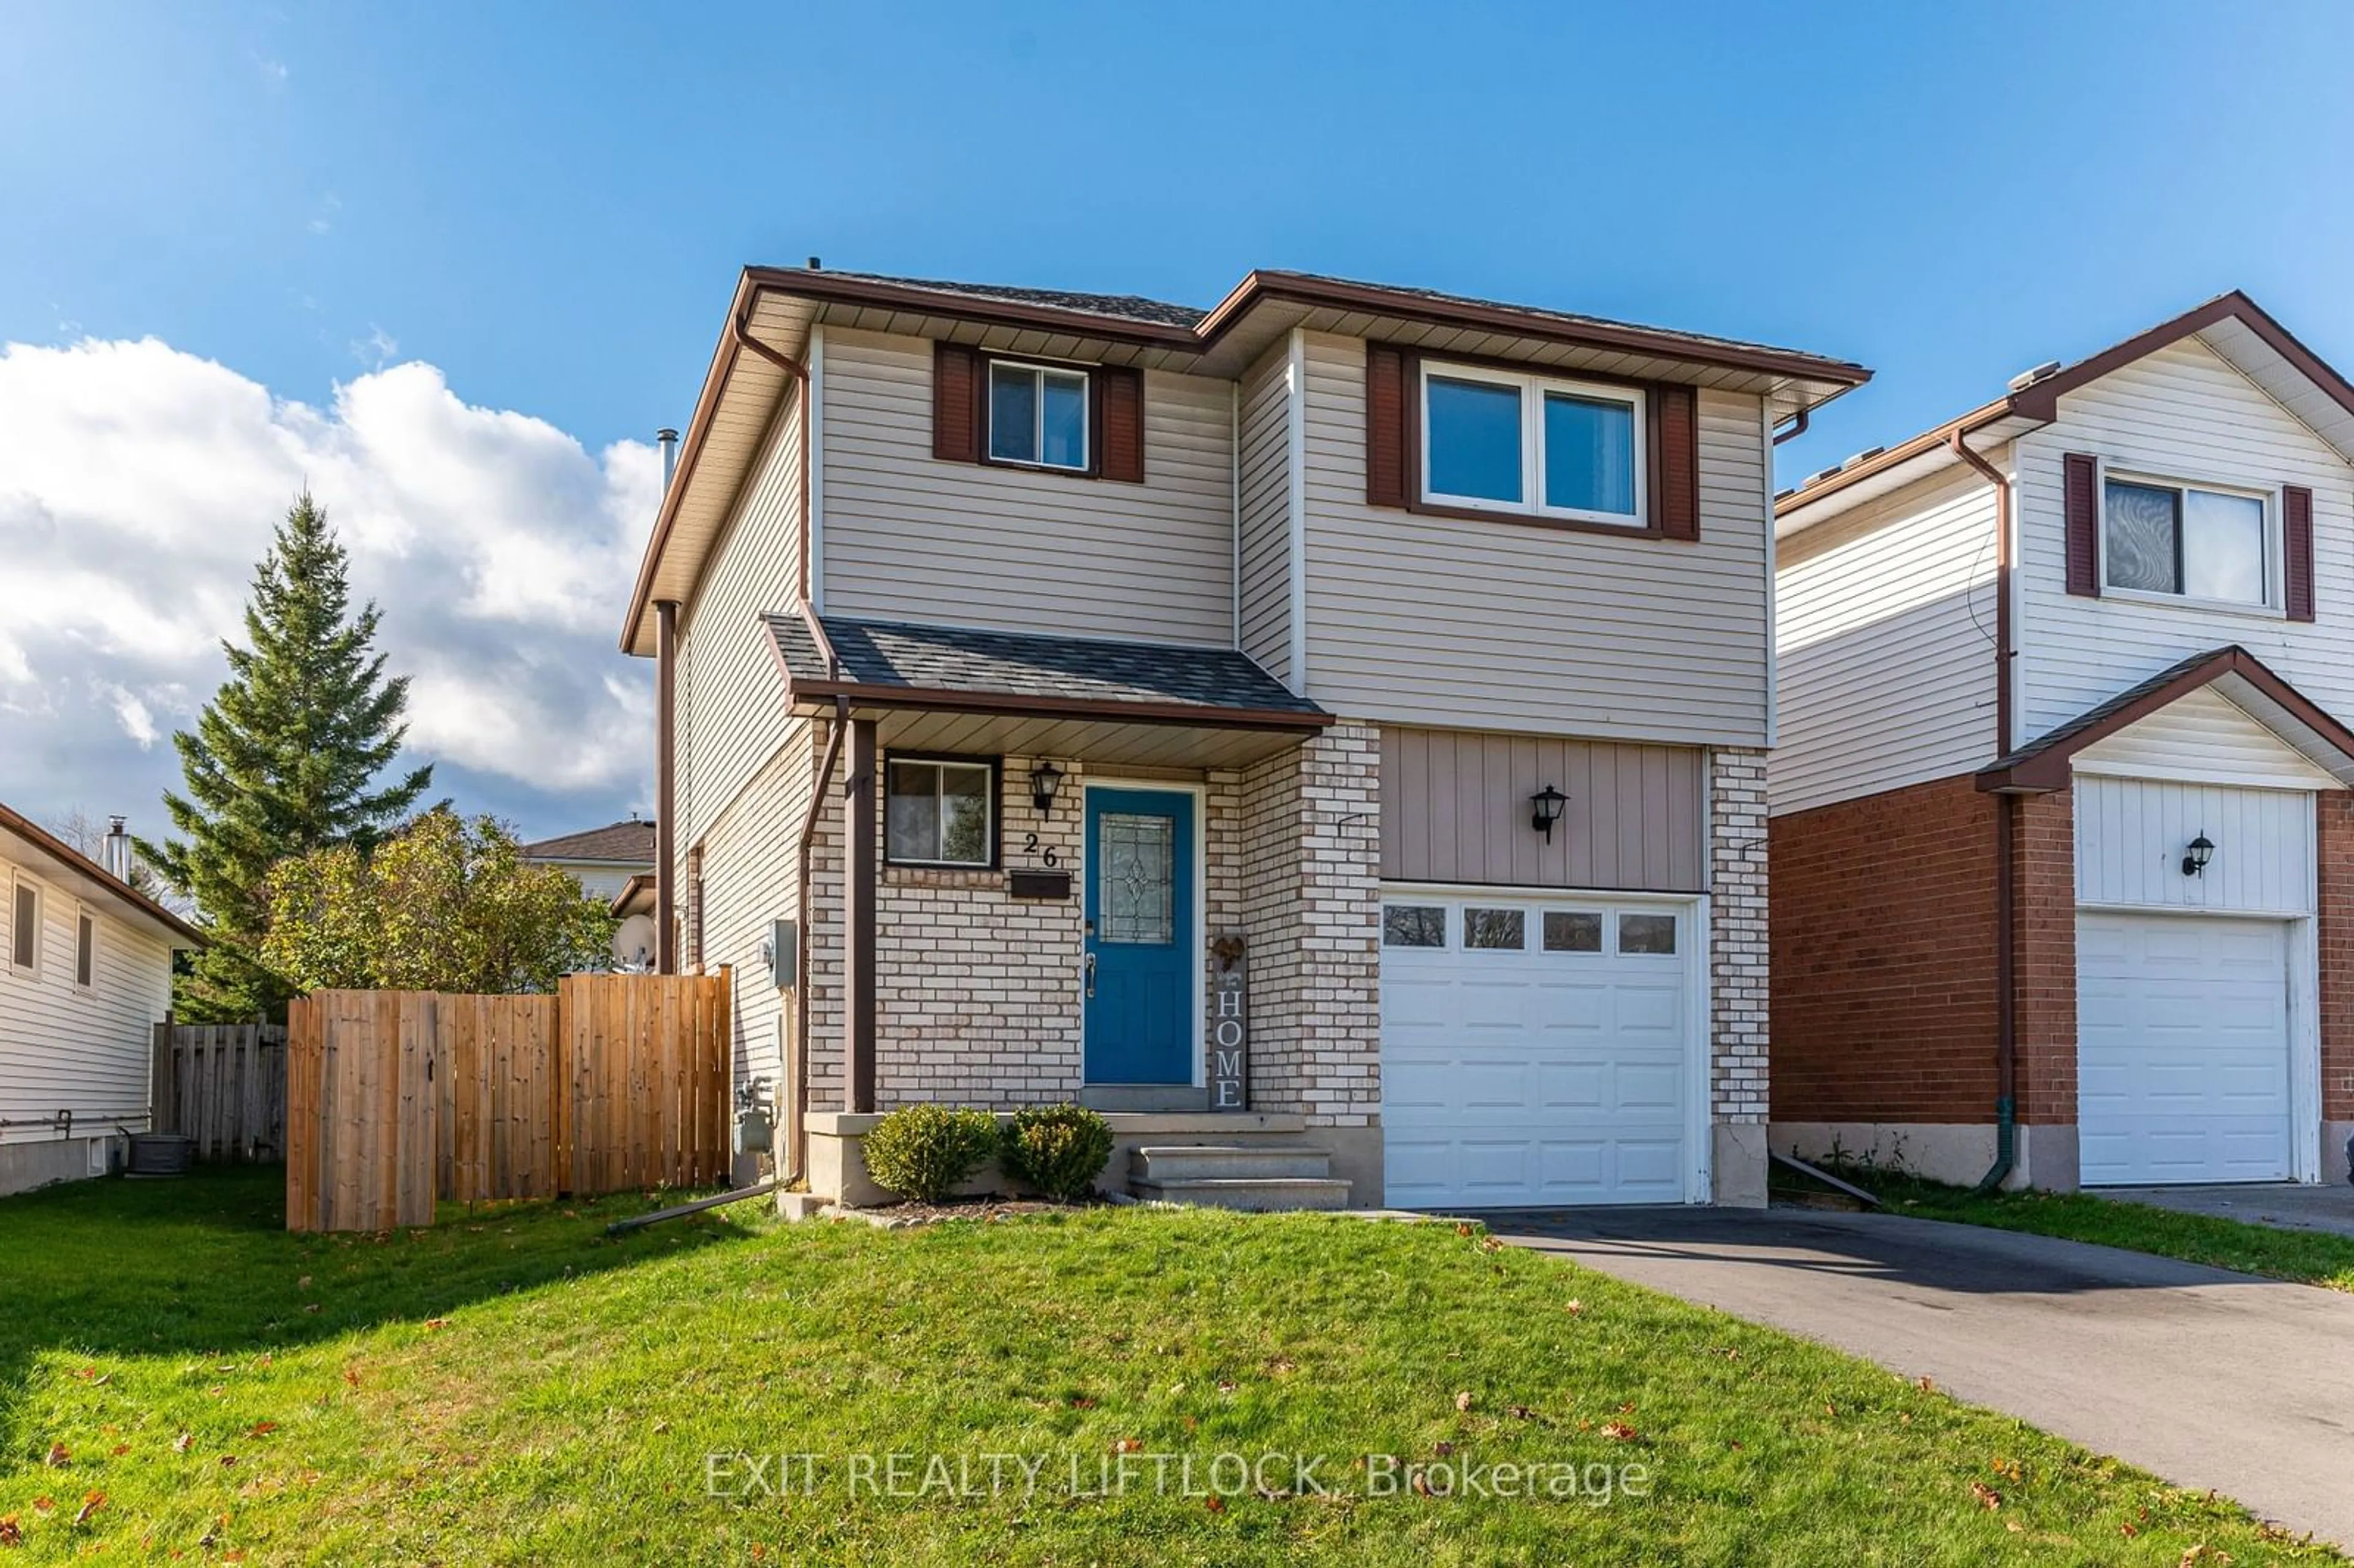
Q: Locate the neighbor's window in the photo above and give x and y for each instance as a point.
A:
(85, 950)
(1038, 414)
(2182, 539)
(1413, 926)
(939, 813)
(1530, 443)
(25, 928)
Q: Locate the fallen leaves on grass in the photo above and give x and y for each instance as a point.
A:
(11, 1532)
(2009, 1470)
(264, 1428)
(1214, 1503)
(1129, 1445)
(1572, 1306)
(1989, 1499)
(1519, 1413)
(1278, 1365)
(1619, 1431)
(89, 1505)
(181, 1443)
(2202, 1552)
(59, 1457)
(1463, 1400)
(435, 1325)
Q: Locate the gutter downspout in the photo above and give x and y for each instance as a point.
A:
(1798, 428)
(665, 786)
(798, 1154)
(2006, 831)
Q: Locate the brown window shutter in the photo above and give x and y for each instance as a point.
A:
(956, 403)
(2297, 564)
(1675, 460)
(2080, 491)
(1119, 423)
(1385, 426)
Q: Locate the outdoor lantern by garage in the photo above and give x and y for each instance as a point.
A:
(2195, 859)
(1045, 779)
(1544, 809)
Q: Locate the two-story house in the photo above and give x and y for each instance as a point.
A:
(2063, 848)
(1331, 722)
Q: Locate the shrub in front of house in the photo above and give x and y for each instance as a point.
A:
(1056, 1149)
(927, 1151)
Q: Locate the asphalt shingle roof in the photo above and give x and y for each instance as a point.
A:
(1124, 307)
(631, 842)
(1006, 663)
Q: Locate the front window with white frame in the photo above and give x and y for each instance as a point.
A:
(1506, 441)
(1038, 416)
(941, 811)
(2186, 541)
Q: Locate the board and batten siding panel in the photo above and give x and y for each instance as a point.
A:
(910, 538)
(1418, 619)
(1883, 625)
(750, 858)
(1267, 512)
(2204, 737)
(731, 696)
(1455, 808)
(2182, 413)
(2131, 834)
(64, 1048)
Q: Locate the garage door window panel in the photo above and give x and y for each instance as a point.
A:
(1495, 930)
(1571, 931)
(1647, 934)
(1413, 926)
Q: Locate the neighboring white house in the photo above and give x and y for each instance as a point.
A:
(605, 862)
(85, 975)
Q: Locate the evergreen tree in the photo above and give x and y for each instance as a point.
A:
(285, 760)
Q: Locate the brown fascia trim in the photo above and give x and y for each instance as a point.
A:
(642, 886)
(1017, 704)
(2042, 770)
(2040, 400)
(80, 865)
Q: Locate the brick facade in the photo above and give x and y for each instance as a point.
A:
(1738, 942)
(1311, 899)
(2044, 896)
(2335, 846)
(1883, 957)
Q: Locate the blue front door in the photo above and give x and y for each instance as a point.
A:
(1141, 963)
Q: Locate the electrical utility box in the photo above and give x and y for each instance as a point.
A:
(784, 953)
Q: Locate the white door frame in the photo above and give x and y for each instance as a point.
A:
(1700, 1051)
(1200, 939)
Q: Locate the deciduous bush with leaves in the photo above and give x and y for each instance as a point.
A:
(1056, 1149)
(927, 1151)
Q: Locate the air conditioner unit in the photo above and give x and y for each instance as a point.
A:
(101, 1156)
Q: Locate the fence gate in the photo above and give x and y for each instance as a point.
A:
(398, 1098)
(223, 1085)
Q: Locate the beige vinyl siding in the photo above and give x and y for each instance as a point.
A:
(1267, 512)
(2180, 413)
(731, 695)
(2206, 738)
(1884, 631)
(1436, 621)
(1455, 808)
(749, 861)
(65, 1048)
(910, 538)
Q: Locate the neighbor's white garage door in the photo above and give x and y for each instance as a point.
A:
(1537, 1051)
(2182, 1056)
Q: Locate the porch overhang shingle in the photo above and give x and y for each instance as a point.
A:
(2047, 763)
(962, 689)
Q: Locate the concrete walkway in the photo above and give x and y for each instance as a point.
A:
(2289, 1208)
(2207, 1378)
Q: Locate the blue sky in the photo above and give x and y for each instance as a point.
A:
(545, 204)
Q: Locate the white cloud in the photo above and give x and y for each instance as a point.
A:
(139, 485)
(377, 349)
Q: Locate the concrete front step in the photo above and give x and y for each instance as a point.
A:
(1257, 1194)
(1227, 1161)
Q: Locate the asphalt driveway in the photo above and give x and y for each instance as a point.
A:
(2207, 1378)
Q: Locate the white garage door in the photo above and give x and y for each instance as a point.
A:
(2182, 1058)
(1537, 1051)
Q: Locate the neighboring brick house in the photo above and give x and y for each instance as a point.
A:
(2094, 634)
(1032, 666)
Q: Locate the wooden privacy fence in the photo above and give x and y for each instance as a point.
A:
(223, 1085)
(396, 1099)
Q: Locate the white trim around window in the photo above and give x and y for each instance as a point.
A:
(1532, 390)
(2273, 603)
(24, 952)
(1039, 375)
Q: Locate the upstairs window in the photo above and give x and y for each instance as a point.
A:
(1038, 416)
(941, 811)
(25, 928)
(86, 950)
(2187, 541)
(1500, 440)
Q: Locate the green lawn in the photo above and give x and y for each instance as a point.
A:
(2309, 1258)
(514, 1387)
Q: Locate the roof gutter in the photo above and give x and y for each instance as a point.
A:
(2006, 838)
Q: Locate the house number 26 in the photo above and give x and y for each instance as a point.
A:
(1030, 846)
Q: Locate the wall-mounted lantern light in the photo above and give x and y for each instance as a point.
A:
(1045, 779)
(2195, 858)
(1544, 809)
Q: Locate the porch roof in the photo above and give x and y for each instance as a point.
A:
(961, 688)
(2045, 763)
